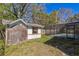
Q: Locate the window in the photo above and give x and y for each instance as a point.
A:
(35, 30)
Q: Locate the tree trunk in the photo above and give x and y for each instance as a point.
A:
(0, 21)
(2, 34)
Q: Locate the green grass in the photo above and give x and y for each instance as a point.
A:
(46, 45)
(1, 47)
(43, 39)
(33, 47)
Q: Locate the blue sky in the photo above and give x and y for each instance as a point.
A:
(55, 6)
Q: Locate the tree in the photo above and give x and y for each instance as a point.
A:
(54, 18)
(5, 12)
(45, 19)
(64, 14)
(37, 10)
(2, 27)
(73, 18)
(18, 11)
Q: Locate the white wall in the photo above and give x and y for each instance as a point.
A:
(39, 31)
(30, 35)
(33, 36)
(29, 31)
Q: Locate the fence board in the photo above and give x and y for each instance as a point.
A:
(16, 35)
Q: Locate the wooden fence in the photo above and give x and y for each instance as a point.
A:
(15, 35)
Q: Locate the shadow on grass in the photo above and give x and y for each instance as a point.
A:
(66, 45)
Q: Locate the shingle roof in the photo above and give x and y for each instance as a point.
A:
(14, 23)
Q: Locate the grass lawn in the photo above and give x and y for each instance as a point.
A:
(36, 47)
(1, 47)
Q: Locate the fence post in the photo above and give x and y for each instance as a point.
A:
(6, 31)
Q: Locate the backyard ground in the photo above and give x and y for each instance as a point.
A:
(45, 46)
(36, 47)
(1, 47)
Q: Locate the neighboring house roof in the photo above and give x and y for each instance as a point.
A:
(14, 23)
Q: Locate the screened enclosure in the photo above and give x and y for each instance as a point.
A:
(70, 30)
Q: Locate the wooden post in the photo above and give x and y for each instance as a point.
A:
(55, 29)
(74, 31)
(66, 30)
(75, 52)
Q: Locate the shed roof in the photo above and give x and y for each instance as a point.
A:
(14, 23)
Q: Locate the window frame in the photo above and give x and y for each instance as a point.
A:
(34, 30)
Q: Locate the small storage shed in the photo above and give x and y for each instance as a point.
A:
(19, 31)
